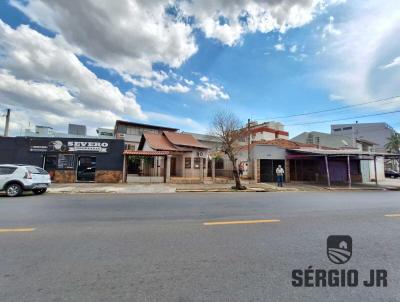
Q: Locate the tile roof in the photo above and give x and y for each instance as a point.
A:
(286, 144)
(145, 153)
(183, 139)
(159, 142)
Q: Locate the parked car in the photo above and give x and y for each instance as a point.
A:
(392, 174)
(14, 179)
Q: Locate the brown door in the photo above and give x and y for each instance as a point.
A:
(173, 166)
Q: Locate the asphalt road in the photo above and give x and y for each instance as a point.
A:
(156, 247)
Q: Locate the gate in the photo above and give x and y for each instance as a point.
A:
(268, 168)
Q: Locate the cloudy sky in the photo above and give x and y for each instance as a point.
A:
(175, 63)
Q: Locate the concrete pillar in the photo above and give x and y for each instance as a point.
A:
(328, 177)
(213, 169)
(124, 177)
(183, 166)
(348, 170)
(142, 166)
(201, 169)
(287, 170)
(255, 170)
(376, 174)
(168, 169)
(206, 168)
(191, 166)
(157, 159)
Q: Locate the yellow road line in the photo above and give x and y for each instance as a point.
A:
(16, 230)
(392, 215)
(241, 222)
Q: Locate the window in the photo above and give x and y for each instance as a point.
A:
(219, 163)
(347, 128)
(337, 129)
(7, 170)
(204, 163)
(188, 163)
(36, 170)
(129, 146)
(121, 129)
(197, 163)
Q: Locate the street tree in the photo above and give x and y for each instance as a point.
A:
(393, 146)
(227, 127)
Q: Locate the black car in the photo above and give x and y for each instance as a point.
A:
(392, 174)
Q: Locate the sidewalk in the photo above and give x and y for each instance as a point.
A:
(119, 188)
(130, 188)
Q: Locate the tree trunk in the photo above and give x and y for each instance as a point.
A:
(238, 185)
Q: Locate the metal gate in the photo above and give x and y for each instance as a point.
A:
(268, 168)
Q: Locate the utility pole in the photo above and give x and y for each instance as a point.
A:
(7, 122)
(248, 141)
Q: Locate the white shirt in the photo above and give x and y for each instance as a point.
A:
(280, 171)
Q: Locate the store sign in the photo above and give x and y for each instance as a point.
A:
(202, 154)
(88, 146)
(69, 146)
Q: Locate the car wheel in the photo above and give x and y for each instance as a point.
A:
(39, 191)
(13, 190)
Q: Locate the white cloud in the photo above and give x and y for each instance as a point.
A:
(293, 48)
(29, 55)
(157, 82)
(44, 77)
(280, 47)
(229, 20)
(330, 29)
(211, 92)
(128, 36)
(204, 79)
(335, 97)
(350, 64)
(189, 82)
(395, 62)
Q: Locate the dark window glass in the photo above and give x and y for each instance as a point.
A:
(188, 163)
(219, 163)
(347, 128)
(122, 129)
(36, 170)
(7, 170)
(197, 163)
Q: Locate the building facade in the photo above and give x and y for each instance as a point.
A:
(132, 133)
(374, 132)
(67, 159)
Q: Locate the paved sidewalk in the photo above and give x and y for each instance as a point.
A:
(172, 188)
(111, 188)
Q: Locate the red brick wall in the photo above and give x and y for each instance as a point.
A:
(108, 176)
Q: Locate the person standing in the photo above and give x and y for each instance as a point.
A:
(241, 168)
(279, 175)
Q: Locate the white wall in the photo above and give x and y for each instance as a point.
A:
(380, 168)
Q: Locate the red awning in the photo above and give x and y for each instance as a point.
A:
(146, 153)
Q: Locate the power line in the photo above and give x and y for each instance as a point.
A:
(333, 109)
(343, 119)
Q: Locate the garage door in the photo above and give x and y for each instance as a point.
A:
(268, 168)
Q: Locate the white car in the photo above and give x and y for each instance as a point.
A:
(14, 179)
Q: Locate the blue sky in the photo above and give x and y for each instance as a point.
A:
(91, 62)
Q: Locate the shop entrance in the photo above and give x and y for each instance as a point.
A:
(86, 169)
(50, 165)
(268, 168)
